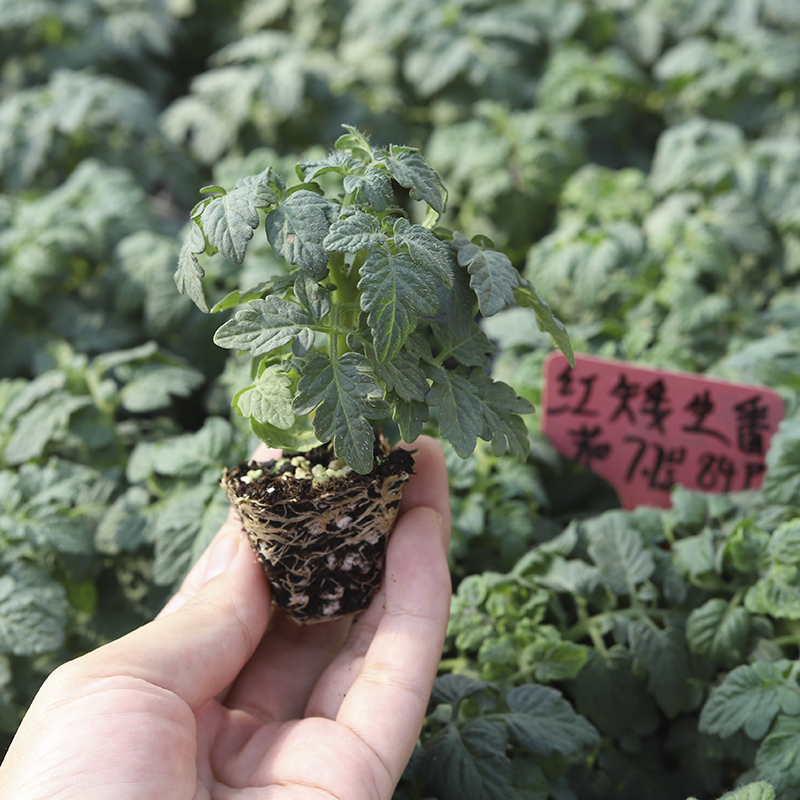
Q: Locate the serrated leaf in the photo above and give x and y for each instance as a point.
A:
(493, 277)
(401, 375)
(266, 324)
(778, 757)
(501, 408)
(410, 416)
(344, 397)
(619, 553)
(461, 418)
(452, 689)
(33, 612)
(256, 189)
(312, 296)
(776, 593)
(188, 455)
(356, 231)
(555, 660)
(152, 386)
(229, 221)
(394, 293)
(473, 350)
(38, 426)
(527, 297)
(543, 721)
(373, 187)
(410, 169)
(662, 655)
(749, 698)
(297, 228)
(469, 761)
(719, 631)
(269, 399)
(612, 698)
(189, 274)
(123, 526)
(184, 516)
(425, 249)
(356, 144)
(759, 790)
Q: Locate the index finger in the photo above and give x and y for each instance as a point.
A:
(385, 706)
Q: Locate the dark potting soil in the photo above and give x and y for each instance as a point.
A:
(323, 546)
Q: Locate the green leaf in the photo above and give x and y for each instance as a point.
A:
(266, 324)
(313, 297)
(461, 417)
(256, 189)
(344, 397)
(355, 144)
(40, 425)
(493, 277)
(394, 293)
(543, 721)
(123, 526)
(759, 790)
(33, 612)
(662, 654)
(152, 386)
(425, 249)
(617, 550)
(410, 416)
(554, 659)
(229, 221)
(189, 274)
(401, 375)
(612, 697)
(297, 228)
(528, 297)
(474, 350)
(269, 399)
(501, 407)
(749, 698)
(778, 757)
(410, 169)
(373, 187)
(719, 631)
(187, 514)
(452, 689)
(357, 231)
(777, 593)
(469, 761)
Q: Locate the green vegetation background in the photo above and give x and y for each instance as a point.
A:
(639, 161)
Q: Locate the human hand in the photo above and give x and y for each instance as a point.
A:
(221, 697)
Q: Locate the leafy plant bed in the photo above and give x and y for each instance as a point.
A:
(320, 532)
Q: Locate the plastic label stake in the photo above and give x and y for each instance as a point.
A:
(646, 430)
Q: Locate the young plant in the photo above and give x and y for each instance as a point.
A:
(374, 320)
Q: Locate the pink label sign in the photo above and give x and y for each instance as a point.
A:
(645, 430)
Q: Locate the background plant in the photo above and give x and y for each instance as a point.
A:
(638, 162)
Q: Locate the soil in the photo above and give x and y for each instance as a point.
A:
(322, 545)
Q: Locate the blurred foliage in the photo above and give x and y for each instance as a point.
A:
(639, 162)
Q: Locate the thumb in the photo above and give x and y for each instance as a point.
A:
(198, 648)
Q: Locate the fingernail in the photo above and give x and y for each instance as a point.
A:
(221, 555)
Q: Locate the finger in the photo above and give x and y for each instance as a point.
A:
(427, 486)
(198, 649)
(386, 704)
(291, 656)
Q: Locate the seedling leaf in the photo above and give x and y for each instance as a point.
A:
(345, 398)
(394, 294)
(263, 325)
